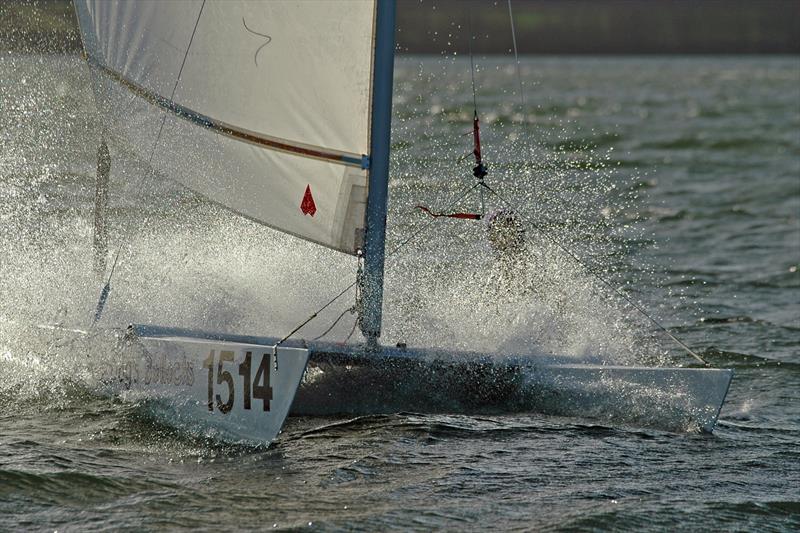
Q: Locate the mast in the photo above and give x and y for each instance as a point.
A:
(375, 237)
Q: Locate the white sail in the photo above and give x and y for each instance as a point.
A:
(265, 105)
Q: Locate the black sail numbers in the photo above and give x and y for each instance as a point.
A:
(254, 387)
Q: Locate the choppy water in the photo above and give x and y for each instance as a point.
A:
(678, 178)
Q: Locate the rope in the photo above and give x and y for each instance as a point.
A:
(314, 315)
(466, 216)
(355, 307)
(432, 220)
(352, 330)
(598, 276)
(101, 302)
(480, 170)
(350, 309)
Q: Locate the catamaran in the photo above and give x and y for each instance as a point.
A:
(280, 111)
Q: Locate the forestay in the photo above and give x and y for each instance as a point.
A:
(262, 107)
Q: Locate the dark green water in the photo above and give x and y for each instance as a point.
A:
(677, 178)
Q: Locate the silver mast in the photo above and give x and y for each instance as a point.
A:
(375, 238)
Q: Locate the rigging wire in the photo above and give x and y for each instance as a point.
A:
(516, 57)
(357, 306)
(424, 227)
(560, 245)
(101, 302)
(348, 310)
(593, 272)
(472, 63)
(352, 330)
(314, 315)
(421, 228)
(480, 170)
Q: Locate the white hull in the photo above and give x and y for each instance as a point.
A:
(238, 391)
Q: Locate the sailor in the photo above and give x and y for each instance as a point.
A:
(506, 234)
(504, 230)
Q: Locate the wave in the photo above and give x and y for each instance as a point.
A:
(434, 427)
(697, 142)
(766, 515)
(731, 359)
(787, 279)
(59, 487)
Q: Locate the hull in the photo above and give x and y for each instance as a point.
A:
(346, 380)
(230, 387)
(236, 391)
(676, 399)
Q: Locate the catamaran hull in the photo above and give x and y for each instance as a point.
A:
(229, 385)
(344, 380)
(670, 398)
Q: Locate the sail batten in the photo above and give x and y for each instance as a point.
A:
(301, 71)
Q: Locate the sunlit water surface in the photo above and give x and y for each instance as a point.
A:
(676, 179)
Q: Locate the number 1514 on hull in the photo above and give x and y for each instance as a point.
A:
(240, 391)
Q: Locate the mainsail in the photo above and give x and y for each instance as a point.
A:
(262, 107)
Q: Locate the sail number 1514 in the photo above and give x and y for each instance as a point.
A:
(257, 389)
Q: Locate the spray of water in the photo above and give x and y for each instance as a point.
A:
(187, 263)
(449, 288)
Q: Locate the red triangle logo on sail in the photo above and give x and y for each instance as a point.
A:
(307, 206)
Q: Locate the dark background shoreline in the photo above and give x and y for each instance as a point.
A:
(546, 27)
